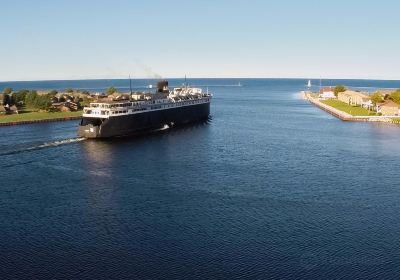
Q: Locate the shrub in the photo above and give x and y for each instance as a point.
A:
(339, 88)
(395, 96)
(52, 93)
(376, 98)
(111, 90)
(7, 90)
(36, 101)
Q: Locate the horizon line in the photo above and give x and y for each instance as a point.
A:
(166, 78)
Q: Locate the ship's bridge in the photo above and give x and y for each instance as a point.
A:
(103, 110)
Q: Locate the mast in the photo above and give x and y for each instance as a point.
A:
(130, 84)
(185, 82)
(320, 83)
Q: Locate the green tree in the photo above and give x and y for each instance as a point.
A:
(52, 93)
(69, 90)
(8, 91)
(42, 102)
(7, 96)
(6, 99)
(339, 88)
(387, 97)
(86, 101)
(395, 96)
(22, 94)
(111, 90)
(376, 98)
(13, 98)
(30, 98)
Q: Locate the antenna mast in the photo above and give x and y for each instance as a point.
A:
(320, 84)
(186, 85)
(130, 84)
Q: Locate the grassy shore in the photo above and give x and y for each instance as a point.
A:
(34, 116)
(352, 110)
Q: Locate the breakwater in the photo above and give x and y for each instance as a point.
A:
(40, 121)
(345, 116)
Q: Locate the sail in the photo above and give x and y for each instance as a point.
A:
(309, 83)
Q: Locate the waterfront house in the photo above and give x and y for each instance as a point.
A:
(368, 105)
(7, 109)
(1, 98)
(73, 106)
(138, 96)
(60, 107)
(3, 110)
(354, 98)
(388, 108)
(114, 96)
(66, 106)
(327, 93)
(13, 110)
(98, 95)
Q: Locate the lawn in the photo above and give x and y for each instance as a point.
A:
(352, 110)
(32, 116)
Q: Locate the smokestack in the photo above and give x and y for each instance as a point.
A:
(162, 86)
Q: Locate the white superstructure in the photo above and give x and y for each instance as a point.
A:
(145, 102)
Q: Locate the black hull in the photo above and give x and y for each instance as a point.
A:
(146, 121)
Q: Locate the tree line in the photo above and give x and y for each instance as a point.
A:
(30, 98)
(33, 100)
(378, 97)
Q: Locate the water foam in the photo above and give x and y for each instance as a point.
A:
(44, 145)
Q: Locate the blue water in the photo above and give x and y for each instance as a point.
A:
(270, 188)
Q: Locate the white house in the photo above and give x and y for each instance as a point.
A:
(326, 93)
(367, 104)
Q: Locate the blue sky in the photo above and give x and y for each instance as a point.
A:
(73, 39)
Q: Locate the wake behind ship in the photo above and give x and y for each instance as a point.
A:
(145, 112)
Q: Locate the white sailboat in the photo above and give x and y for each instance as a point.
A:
(309, 84)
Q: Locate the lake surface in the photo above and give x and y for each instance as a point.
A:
(270, 188)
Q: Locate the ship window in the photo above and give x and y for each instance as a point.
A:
(92, 121)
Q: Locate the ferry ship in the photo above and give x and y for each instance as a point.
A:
(145, 112)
